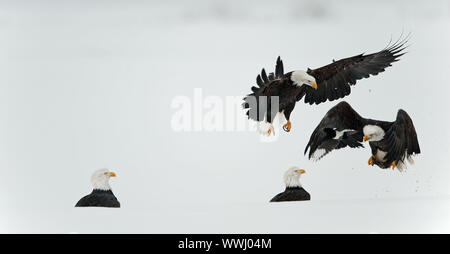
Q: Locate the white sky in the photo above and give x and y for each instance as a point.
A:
(86, 86)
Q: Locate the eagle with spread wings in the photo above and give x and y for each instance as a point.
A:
(278, 92)
(392, 143)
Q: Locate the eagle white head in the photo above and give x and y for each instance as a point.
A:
(292, 177)
(373, 133)
(302, 77)
(100, 179)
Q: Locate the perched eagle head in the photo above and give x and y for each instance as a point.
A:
(292, 176)
(373, 133)
(300, 78)
(100, 179)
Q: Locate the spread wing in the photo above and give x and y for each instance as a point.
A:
(400, 140)
(341, 127)
(259, 103)
(334, 80)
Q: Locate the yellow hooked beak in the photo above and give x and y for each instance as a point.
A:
(112, 174)
(302, 171)
(314, 84)
(366, 138)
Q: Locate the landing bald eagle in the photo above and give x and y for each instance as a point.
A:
(342, 126)
(101, 195)
(329, 82)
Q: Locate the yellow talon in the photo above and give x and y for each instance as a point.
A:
(287, 126)
(271, 130)
(393, 165)
(371, 160)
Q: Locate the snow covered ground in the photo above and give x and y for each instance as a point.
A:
(410, 215)
(90, 85)
(426, 215)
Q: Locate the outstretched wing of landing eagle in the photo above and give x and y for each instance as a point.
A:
(334, 80)
(278, 92)
(341, 127)
(400, 140)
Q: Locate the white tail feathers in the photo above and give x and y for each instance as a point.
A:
(410, 159)
(318, 154)
(401, 166)
(264, 126)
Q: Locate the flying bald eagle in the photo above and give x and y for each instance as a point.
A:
(342, 126)
(329, 82)
(101, 194)
(294, 190)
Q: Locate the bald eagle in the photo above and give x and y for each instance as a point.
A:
(101, 194)
(294, 190)
(329, 82)
(391, 142)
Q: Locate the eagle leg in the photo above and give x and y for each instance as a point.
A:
(287, 126)
(393, 165)
(371, 160)
(271, 130)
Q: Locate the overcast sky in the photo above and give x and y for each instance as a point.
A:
(90, 85)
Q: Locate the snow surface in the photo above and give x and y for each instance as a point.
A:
(89, 85)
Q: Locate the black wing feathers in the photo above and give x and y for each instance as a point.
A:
(259, 102)
(279, 71)
(340, 117)
(400, 140)
(264, 76)
(334, 79)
